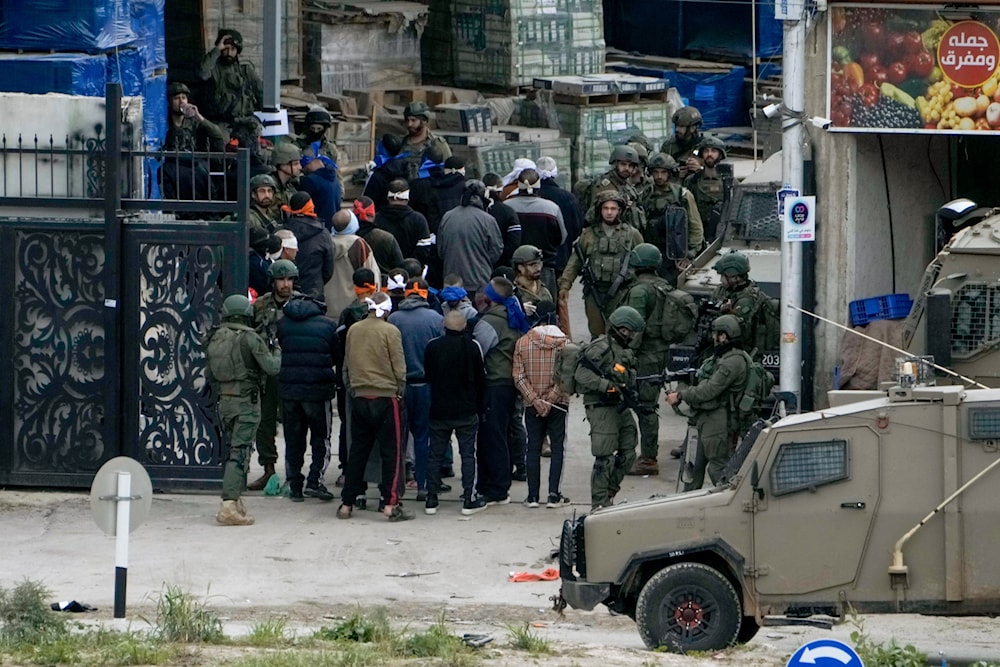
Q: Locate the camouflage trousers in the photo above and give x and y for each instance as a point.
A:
(713, 447)
(240, 417)
(650, 362)
(270, 405)
(612, 443)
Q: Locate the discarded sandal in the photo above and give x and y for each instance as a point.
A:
(397, 513)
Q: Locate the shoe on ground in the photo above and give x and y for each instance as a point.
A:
(557, 500)
(531, 503)
(344, 511)
(295, 495)
(447, 471)
(340, 481)
(645, 466)
(519, 475)
(319, 491)
(396, 514)
(361, 502)
(431, 504)
(230, 515)
(499, 501)
(444, 488)
(677, 452)
(259, 483)
(474, 505)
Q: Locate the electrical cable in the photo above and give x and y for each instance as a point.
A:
(888, 205)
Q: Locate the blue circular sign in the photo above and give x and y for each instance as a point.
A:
(825, 653)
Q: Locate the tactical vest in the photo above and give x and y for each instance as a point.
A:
(607, 252)
(225, 356)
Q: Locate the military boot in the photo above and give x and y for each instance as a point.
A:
(230, 514)
(645, 466)
(261, 481)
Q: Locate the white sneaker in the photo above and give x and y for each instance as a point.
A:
(531, 503)
(502, 501)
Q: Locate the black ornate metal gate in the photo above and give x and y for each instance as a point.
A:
(102, 319)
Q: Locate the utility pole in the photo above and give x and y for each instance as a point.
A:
(793, 100)
(273, 117)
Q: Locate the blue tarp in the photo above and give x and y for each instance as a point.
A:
(154, 111)
(66, 25)
(69, 73)
(147, 23)
(719, 97)
(125, 67)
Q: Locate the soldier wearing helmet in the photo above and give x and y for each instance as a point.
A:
(416, 117)
(234, 89)
(317, 122)
(709, 185)
(639, 177)
(600, 256)
(188, 130)
(687, 134)
(264, 207)
(670, 316)
(625, 163)
(286, 158)
(720, 383)
(528, 264)
(669, 205)
(738, 295)
(605, 375)
(236, 358)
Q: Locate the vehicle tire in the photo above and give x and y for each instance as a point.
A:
(688, 607)
(748, 630)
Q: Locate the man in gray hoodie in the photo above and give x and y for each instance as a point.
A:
(469, 240)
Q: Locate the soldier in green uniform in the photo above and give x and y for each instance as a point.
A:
(687, 135)
(740, 296)
(600, 256)
(236, 357)
(285, 158)
(263, 203)
(234, 88)
(267, 310)
(418, 137)
(721, 381)
(669, 315)
(659, 195)
(318, 122)
(527, 263)
(640, 178)
(708, 185)
(624, 163)
(604, 375)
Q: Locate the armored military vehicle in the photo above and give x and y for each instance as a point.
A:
(884, 502)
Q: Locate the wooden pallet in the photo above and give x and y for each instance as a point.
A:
(659, 97)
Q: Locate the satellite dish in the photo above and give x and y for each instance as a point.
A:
(104, 491)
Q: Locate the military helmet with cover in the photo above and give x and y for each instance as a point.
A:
(237, 305)
(641, 151)
(711, 141)
(687, 116)
(733, 264)
(285, 152)
(320, 116)
(177, 88)
(627, 317)
(623, 153)
(663, 161)
(263, 181)
(283, 268)
(417, 109)
(645, 256)
(727, 324)
(610, 195)
(525, 254)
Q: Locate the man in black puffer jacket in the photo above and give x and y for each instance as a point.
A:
(307, 383)
(408, 226)
(316, 254)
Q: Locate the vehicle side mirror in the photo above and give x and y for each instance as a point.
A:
(755, 481)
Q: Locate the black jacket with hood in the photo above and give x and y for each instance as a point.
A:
(308, 340)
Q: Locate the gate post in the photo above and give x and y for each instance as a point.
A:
(113, 409)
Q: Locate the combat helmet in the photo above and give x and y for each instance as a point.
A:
(525, 254)
(733, 264)
(645, 256)
(609, 195)
(641, 151)
(417, 109)
(623, 153)
(711, 141)
(177, 88)
(263, 181)
(687, 116)
(663, 161)
(236, 305)
(627, 317)
(319, 115)
(284, 153)
(283, 268)
(727, 324)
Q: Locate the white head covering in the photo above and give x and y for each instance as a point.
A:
(520, 164)
(380, 309)
(395, 281)
(288, 239)
(400, 196)
(547, 167)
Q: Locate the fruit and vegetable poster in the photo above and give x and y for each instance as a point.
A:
(913, 70)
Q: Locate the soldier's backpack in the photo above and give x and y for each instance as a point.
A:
(224, 356)
(746, 405)
(567, 358)
(674, 315)
(767, 323)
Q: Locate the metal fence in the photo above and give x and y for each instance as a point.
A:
(108, 294)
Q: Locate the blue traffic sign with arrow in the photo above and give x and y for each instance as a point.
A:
(825, 653)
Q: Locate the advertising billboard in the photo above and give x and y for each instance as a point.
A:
(913, 69)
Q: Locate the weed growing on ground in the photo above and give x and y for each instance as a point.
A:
(180, 617)
(25, 616)
(522, 637)
(438, 642)
(874, 654)
(269, 632)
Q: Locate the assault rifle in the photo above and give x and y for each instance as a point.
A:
(708, 310)
(588, 277)
(664, 377)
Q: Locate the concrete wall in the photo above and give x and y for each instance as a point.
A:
(867, 213)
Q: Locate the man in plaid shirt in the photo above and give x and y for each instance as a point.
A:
(545, 404)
